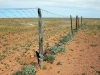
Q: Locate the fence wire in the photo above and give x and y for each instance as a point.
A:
(54, 27)
(19, 35)
(18, 38)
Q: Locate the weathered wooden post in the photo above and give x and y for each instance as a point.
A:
(81, 20)
(71, 24)
(76, 22)
(40, 39)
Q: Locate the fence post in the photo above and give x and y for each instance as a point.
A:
(76, 22)
(40, 39)
(81, 20)
(71, 24)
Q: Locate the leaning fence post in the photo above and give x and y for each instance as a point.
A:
(40, 39)
(71, 24)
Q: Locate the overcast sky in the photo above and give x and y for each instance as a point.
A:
(85, 8)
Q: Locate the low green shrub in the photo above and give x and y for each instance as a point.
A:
(29, 70)
(2, 56)
(57, 49)
(94, 45)
(98, 26)
(13, 47)
(24, 51)
(44, 67)
(84, 74)
(59, 63)
(98, 72)
(68, 37)
(49, 58)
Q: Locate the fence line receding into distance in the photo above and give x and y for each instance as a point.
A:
(21, 32)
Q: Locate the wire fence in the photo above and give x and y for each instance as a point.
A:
(18, 38)
(19, 35)
(55, 26)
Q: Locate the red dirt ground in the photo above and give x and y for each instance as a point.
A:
(9, 64)
(80, 58)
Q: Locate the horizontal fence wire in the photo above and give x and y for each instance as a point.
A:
(18, 38)
(19, 35)
(54, 27)
(18, 18)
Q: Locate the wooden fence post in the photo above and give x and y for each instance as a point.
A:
(71, 24)
(76, 22)
(40, 39)
(81, 20)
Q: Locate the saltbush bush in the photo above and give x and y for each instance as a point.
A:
(29, 70)
(56, 49)
(49, 58)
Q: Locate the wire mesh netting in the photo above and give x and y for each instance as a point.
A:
(54, 27)
(18, 38)
(19, 35)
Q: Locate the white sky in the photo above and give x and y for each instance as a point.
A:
(85, 8)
